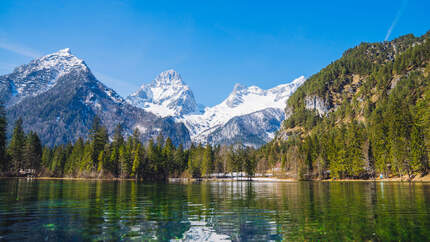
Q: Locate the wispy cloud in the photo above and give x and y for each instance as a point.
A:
(122, 87)
(18, 49)
(396, 19)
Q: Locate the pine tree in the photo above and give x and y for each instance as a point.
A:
(87, 158)
(153, 157)
(99, 137)
(249, 162)
(124, 160)
(4, 164)
(418, 155)
(195, 161)
(32, 152)
(160, 143)
(137, 162)
(399, 130)
(422, 117)
(229, 159)
(339, 162)
(114, 160)
(179, 159)
(46, 157)
(136, 138)
(118, 138)
(379, 140)
(75, 158)
(354, 150)
(168, 157)
(101, 161)
(16, 146)
(207, 161)
(59, 160)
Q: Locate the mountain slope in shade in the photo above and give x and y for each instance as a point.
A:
(254, 129)
(166, 96)
(58, 97)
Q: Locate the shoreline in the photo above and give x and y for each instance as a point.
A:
(69, 178)
(423, 179)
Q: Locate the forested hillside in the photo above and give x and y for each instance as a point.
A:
(100, 157)
(365, 114)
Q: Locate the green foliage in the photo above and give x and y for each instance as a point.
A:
(16, 147)
(378, 120)
(32, 152)
(4, 165)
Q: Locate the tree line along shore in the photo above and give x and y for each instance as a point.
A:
(128, 158)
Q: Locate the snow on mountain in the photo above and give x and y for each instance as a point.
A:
(42, 74)
(58, 97)
(242, 101)
(166, 96)
(254, 129)
(224, 123)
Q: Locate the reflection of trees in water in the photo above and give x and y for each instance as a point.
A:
(96, 210)
(229, 209)
(319, 210)
(64, 210)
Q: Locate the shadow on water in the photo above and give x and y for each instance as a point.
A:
(61, 210)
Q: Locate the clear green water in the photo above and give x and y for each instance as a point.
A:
(60, 210)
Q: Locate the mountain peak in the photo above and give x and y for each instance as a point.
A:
(169, 77)
(238, 87)
(166, 95)
(239, 90)
(65, 51)
(63, 61)
(42, 73)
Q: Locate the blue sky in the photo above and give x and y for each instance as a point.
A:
(213, 44)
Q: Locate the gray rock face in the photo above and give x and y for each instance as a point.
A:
(317, 104)
(58, 97)
(254, 129)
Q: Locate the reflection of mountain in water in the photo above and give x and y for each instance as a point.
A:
(200, 231)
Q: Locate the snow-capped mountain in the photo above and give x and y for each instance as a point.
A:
(166, 96)
(58, 97)
(262, 109)
(252, 129)
(41, 74)
(241, 101)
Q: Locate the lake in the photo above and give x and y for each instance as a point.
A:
(63, 210)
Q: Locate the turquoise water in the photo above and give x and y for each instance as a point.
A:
(63, 210)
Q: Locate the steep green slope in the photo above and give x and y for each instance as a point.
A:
(364, 114)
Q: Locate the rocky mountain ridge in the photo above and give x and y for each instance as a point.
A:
(57, 93)
(168, 95)
(58, 97)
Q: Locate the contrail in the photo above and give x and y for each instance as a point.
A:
(396, 19)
